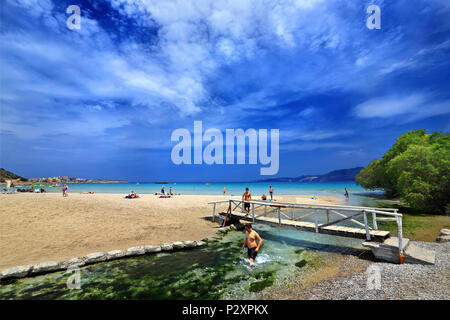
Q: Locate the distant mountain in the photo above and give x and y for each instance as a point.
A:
(7, 175)
(333, 176)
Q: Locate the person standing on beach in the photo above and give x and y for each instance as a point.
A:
(346, 193)
(170, 191)
(271, 192)
(250, 241)
(162, 190)
(64, 190)
(224, 190)
(247, 197)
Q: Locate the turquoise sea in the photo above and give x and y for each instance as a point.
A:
(219, 270)
(234, 189)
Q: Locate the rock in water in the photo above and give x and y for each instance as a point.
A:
(16, 272)
(135, 251)
(45, 267)
(152, 249)
(178, 245)
(166, 247)
(95, 257)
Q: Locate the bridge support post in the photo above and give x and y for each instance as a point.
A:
(366, 225)
(400, 235)
(253, 212)
(315, 220)
(279, 216)
(374, 219)
(214, 213)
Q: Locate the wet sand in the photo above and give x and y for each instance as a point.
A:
(47, 227)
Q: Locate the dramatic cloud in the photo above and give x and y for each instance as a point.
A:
(137, 70)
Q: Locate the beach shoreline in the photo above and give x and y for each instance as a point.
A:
(48, 227)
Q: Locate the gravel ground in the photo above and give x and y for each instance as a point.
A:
(397, 282)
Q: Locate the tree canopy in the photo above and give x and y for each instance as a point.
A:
(416, 169)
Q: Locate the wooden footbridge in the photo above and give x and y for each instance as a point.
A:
(317, 218)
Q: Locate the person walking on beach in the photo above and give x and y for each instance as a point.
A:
(251, 237)
(346, 193)
(271, 192)
(224, 190)
(247, 197)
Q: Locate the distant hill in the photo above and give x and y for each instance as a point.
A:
(333, 176)
(7, 175)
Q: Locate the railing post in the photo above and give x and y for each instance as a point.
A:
(279, 216)
(214, 213)
(253, 212)
(374, 218)
(400, 235)
(315, 220)
(328, 216)
(366, 225)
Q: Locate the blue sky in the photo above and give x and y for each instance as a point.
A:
(102, 101)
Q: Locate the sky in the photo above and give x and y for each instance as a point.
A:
(102, 101)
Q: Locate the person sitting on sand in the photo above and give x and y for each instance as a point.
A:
(250, 241)
(132, 195)
(247, 197)
(264, 197)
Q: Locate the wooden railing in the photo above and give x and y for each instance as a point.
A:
(285, 210)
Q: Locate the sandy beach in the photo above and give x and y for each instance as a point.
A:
(47, 227)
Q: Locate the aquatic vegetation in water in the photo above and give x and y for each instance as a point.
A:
(301, 263)
(219, 270)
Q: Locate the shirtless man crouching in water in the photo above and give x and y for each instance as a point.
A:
(246, 197)
(250, 240)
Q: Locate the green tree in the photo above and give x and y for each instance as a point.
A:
(416, 168)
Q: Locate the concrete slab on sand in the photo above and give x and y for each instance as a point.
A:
(388, 251)
(419, 255)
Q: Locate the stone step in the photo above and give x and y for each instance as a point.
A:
(389, 251)
(418, 255)
(392, 244)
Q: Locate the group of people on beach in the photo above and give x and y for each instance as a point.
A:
(252, 239)
(170, 193)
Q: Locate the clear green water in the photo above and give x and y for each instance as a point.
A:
(220, 270)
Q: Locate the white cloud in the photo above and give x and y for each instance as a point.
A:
(412, 107)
